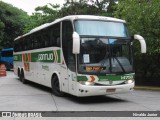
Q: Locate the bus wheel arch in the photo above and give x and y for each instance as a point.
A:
(55, 84)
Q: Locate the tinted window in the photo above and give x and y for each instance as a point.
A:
(67, 31)
(101, 28)
(47, 37)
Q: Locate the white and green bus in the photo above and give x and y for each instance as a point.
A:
(81, 55)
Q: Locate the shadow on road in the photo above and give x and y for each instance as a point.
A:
(80, 100)
(37, 86)
(94, 99)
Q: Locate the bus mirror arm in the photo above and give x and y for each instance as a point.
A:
(76, 43)
(142, 42)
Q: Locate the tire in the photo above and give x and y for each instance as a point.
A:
(19, 74)
(22, 78)
(56, 87)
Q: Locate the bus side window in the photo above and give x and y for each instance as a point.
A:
(58, 41)
(51, 37)
(32, 43)
(15, 47)
(21, 44)
(47, 37)
(51, 42)
(40, 39)
(41, 44)
(29, 43)
(44, 38)
(55, 35)
(35, 41)
(25, 44)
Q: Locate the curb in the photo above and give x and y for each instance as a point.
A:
(149, 88)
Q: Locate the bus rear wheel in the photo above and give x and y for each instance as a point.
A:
(22, 78)
(56, 87)
(19, 74)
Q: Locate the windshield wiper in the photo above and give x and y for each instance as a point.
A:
(120, 64)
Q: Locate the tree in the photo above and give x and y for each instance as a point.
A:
(2, 26)
(50, 12)
(143, 18)
(79, 8)
(92, 7)
(43, 14)
(12, 22)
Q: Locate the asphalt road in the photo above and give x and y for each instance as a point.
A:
(16, 96)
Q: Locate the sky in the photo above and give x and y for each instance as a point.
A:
(30, 5)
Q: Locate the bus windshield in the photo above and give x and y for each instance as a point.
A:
(105, 56)
(101, 28)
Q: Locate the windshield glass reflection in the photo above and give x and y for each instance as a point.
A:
(103, 56)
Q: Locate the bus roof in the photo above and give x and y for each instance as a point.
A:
(71, 17)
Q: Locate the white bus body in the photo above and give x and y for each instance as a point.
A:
(66, 56)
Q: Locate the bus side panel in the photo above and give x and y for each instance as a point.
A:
(72, 83)
(17, 65)
(47, 70)
(64, 79)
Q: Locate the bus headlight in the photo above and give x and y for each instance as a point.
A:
(88, 83)
(129, 81)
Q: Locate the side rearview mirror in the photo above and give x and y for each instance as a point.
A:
(76, 43)
(142, 42)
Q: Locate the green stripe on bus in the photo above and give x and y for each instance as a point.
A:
(45, 56)
(17, 57)
(26, 57)
(107, 78)
(82, 78)
(115, 78)
(58, 53)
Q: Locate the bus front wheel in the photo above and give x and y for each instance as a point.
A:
(56, 87)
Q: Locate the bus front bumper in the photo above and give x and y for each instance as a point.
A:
(85, 90)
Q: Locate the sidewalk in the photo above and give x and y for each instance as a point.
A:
(150, 88)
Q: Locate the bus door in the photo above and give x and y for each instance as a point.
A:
(67, 31)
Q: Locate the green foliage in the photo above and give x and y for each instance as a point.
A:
(143, 17)
(50, 12)
(2, 25)
(43, 14)
(103, 8)
(77, 8)
(12, 22)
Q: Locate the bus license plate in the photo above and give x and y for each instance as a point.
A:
(111, 90)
